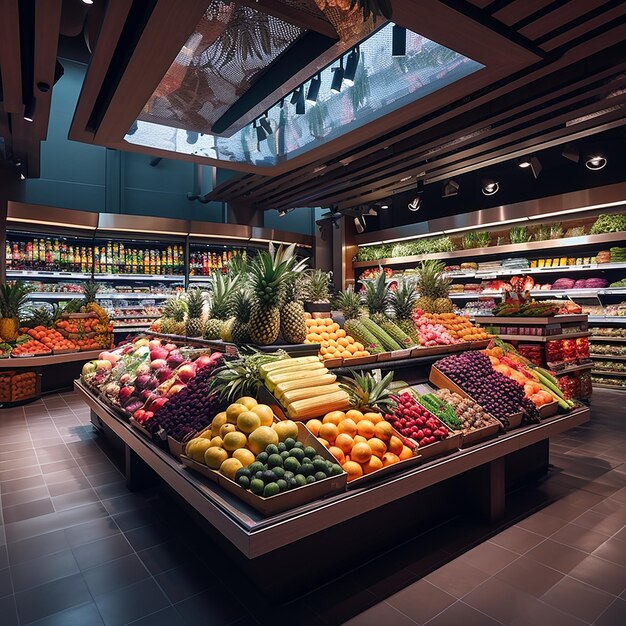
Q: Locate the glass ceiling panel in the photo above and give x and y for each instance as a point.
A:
(383, 84)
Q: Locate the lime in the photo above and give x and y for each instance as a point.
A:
(307, 469)
(262, 457)
(257, 486)
(288, 476)
(320, 466)
(259, 475)
(272, 449)
(289, 443)
(271, 489)
(284, 455)
(299, 444)
(297, 453)
(319, 475)
(292, 483)
(318, 457)
(282, 447)
(244, 482)
(275, 460)
(269, 477)
(242, 471)
(336, 469)
(255, 467)
(282, 484)
(300, 480)
(279, 471)
(310, 480)
(310, 452)
(291, 464)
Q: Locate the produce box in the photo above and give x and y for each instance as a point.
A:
(156, 439)
(441, 381)
(66, 351)
(386, 471)
(476, 435)
(358, 360)
(383, 356)
(330, 363)
(282, 501)
(430, 350)
(548, 410)
(450, 444)
(17, 386)
(401, 354)
(5, 385)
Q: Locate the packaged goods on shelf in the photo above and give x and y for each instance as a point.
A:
(617, 255)
(612, 382)
(607, 331)
(608, 349)
(478, 307)
(617, 310)
(513, 264)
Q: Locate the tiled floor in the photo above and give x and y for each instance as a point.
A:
(76, 548)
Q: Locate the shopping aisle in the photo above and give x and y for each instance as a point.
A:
(77, 548)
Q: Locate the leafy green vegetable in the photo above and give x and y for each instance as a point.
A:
(609, 224)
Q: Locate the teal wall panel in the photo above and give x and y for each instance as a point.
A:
(84, 177)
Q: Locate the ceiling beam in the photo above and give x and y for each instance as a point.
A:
(10, 59)
(47, 25)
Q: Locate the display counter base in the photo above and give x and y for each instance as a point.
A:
(400, 506)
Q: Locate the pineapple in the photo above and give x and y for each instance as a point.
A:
(317, 286)
(243, 305)
(166, 323)
(378, 297)
(226, 332)
(91, 306)
(367, 395)
(223, 289)
(180, 310)
(434, 288)
(12, 300)
(268, 273)
(403, 302)
(292, 324)
(40, 316)
(195, 306)
(349, 303)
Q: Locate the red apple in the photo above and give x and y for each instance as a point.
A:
(186, 372)
(158, 353)
(158, 364)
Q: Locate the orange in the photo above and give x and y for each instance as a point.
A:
(314, 426)
(323, 442)
(338, 454)
(341, 333)
(347, 426)
(359, 439)
(389, 458)
(383, 430)
(373, 417)
(378, 447)
(345, 442)
(342, 341)
(366, 429)
(354, 470)
(334, 417)
(361, 453)
(353, 414)
(406, 453)
(395, 445)
(372, 465)
(328, 431)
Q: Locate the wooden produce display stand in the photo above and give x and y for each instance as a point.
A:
(403, 501)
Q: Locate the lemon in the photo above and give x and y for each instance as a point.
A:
(233, 411)
(244, 455)
(227, 428)
(260, 438)
(214, 457)
(229, 468)
(247, 401)
(234, 441)
(248, 421)
(218, 421)
(265, 413)
(285, 429)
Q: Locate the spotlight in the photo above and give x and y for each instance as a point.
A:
(154, 162)
(385, 204)
(260, 132)
(351, 65)
(300, 107)
(596, 162)
(29, 109)
(294, 96)
(335, 86)
(133, 128)
(87, 1)
(265, 123)
(314, 89)
(571, 153)
(490, 187)
(450, 188)
(283, 212)
(192, 137)
(21, 170)
(359, 223)
(398, 41)
(533, 163)
(415, 204)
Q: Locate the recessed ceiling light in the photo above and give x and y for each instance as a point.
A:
(596, 162)
(490, 187)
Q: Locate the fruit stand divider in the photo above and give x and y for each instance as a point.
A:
(264, 540)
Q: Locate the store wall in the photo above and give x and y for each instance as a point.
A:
(91, 178)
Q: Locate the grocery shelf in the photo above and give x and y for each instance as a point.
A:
(49, 359)
(571, 293)
(26, 274)
(254, 535)
(603, 386)
(609, 373)
(572, 368)
(135, 277)
(543, 338)
(537, 321)
(132, 296)
(133, 317)
(54, 295)
(611, 357)
(609, 339)
(614, 319)
(485, 274)
(530, 246)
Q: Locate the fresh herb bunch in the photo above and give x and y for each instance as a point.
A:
(609, 224)
(519, 234)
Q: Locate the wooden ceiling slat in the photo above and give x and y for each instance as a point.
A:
(519, 10)
(10, 58)
(569, 11)
(47, 24)
(416, 158)
(606, 17)
(114, 19)
(149, 63)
